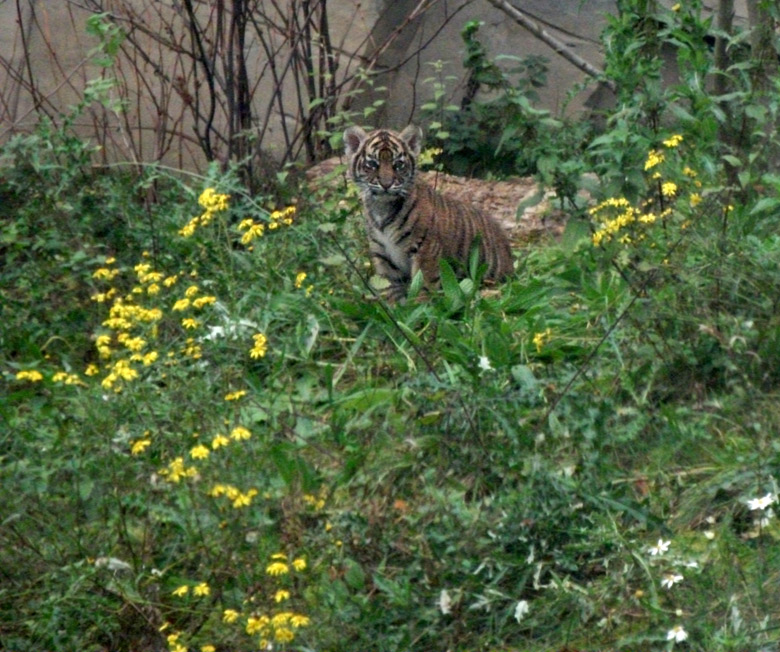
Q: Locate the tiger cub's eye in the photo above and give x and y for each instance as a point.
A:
(371, 164)
(399, 165)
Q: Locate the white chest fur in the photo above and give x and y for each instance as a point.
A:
(384, 242)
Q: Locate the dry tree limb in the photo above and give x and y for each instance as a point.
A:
(560, 48)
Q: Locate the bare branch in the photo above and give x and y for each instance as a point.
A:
(560, 48)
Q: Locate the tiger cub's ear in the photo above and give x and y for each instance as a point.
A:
(413, 136)
(353, 139)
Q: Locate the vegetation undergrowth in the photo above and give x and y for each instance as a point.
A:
(216, 438)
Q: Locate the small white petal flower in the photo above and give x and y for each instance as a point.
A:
(484, 363)
(709, 534)
(660, 548)
(521, 610)
(670, 579)
(761, 503)
(445, 602)
(677, 634)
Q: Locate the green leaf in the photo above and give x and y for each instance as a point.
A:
(449, 282)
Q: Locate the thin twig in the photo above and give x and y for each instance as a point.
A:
(560, 48)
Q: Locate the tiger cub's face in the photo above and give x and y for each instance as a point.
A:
(383, 162)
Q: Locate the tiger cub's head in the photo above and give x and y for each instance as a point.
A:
(383, 161)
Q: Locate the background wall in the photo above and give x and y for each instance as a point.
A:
(178, 70)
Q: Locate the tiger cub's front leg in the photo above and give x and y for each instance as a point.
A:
(426, 260)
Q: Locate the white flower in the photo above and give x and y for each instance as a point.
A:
(709, 534)
(670, 579)
(521, 610)
(761, 503)
(484, 363)
(445, 602)
(660, 548)
(676, 634)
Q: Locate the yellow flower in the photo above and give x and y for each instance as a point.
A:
(134, 343)
(104, 273)
(189, 322)
(208, 648)
(181, 591)
(199, 452)
(260, 346)
(277, 568)
(176, 471)
(211, 200)
(202, 589)
(234, 396)
(254, 231)
(281, 595)
(218, 490)
(283, 635)
(139, 446)
(541, 338)
(244, 500)
(170, 280)
(149, 358)
(91, 370)
(191, 291)
(230, 616)
(256, 625)
(203, 301)
(153, 289)
(32, 375)
(181, 304)
(299, 279)
(654, 157)
(239, 432)
(673, 141)
(281, 619)
(299, 564)
(110, 260)
(668, 189)
(219, 441)
(299, 620)
(695, 199)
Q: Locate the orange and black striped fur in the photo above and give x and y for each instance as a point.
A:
(410, 225)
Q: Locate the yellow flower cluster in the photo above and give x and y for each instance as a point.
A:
(237, 498)
(541, 338)
(260, 346)
(252, 230)
(176, 470)
(32, 375)
(316, 502)
(132, 324)
(212, 203)
(280, 627)
(275, 626)
(199, 590)
(616, 214)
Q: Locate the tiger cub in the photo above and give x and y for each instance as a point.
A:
(410, 225)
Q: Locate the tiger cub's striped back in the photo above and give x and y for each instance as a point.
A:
(411, 226)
